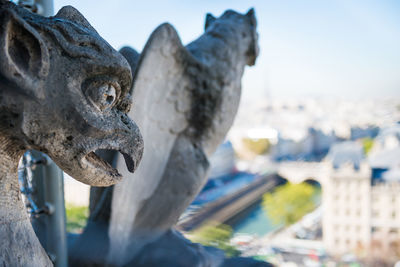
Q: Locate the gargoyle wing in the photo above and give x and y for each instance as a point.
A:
(159, 94)
(161, 106)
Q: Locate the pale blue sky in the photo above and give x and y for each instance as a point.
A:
(348, 48)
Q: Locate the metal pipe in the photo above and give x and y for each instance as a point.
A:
(49, 220)
(39, 223)
(56, 230)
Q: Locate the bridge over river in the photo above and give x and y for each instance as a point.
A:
(300, 171)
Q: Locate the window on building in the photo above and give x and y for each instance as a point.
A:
(394, 246)
(393, 214)
(375, 214)
(358, 212)
(376, 244)
(360, 245)
(336, 211)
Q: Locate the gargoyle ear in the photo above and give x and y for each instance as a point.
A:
(209, 20)
(24, 58)
(72, 14)
(251, 14)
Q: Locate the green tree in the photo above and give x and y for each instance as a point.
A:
(256, 146)
(288, 203)
(368, 143)
(216, 236)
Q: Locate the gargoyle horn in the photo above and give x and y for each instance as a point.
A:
(209, 20)
(70, 13)
(251, 14)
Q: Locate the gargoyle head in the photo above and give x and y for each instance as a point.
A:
(65, 91)
(244, 24)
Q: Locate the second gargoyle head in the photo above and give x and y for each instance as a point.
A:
(241, 27)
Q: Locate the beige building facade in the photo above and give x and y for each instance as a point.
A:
(360, 217)
(347, 209)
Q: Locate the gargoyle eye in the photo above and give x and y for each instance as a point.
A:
(103, 96)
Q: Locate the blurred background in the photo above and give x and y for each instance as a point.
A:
(309, 174)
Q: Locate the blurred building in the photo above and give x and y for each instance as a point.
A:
(347, 209)
(310, 145)
(362, 203)
(387, 139)
(357, 132)
(348, 152)
(385, 220)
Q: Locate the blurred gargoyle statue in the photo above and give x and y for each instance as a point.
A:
(63, 91)
(185, 101)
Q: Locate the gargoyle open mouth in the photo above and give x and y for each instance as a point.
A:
(102, 159)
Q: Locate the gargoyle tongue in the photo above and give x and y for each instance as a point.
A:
(130, 163)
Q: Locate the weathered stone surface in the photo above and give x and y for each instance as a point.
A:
(173, 250)
(185, 101)
(63, 91)
(244, 262)
(91, 247)
(177, 108)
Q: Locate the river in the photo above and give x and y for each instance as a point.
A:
(255, 221)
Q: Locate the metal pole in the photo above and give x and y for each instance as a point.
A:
(39, 221)
(49, 220)
(56, 240)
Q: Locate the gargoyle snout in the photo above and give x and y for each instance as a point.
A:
(130, 143)
(132, 154)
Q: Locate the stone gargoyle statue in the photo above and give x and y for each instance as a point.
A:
(63, 91)
(188, 99)
(185, 101)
